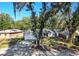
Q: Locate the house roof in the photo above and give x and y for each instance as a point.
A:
(10, 31)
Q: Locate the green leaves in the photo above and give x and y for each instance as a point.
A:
(5, 21)
(23, 24)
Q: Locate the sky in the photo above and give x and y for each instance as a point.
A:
(7, 7)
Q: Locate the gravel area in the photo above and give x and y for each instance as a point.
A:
(24, 49)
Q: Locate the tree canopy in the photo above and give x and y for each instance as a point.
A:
(6, 22)
(52, 15)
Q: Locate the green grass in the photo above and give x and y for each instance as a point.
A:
(52, 42)
(49, 42)
(62, 43)
(4, 43)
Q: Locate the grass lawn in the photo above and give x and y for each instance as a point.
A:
(4, 43)
(52, 43)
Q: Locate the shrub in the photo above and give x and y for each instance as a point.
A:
(45, 42)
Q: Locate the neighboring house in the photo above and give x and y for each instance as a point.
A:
(11, 33)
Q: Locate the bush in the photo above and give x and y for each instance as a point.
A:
(46, 42)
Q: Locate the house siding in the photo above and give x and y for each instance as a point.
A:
(9, 35)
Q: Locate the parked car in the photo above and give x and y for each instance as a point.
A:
(48, 33)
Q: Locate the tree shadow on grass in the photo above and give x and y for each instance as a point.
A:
(21, 48)
(43, 51)
(18, 48)
(57, 51)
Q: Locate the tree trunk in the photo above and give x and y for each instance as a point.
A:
(71, 38)
(38, 42)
